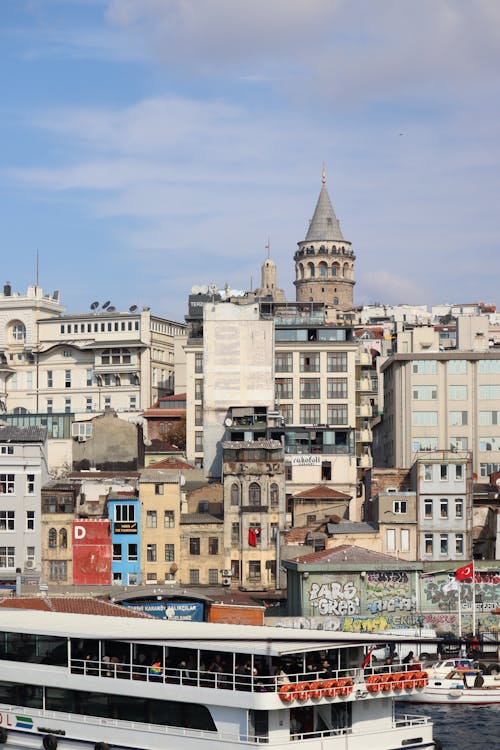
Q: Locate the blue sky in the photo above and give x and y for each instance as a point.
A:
(151, 145)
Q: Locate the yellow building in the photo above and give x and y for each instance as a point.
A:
(160, 496)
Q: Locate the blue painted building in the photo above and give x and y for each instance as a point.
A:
(125, 516)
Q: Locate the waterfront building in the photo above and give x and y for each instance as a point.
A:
(160, 507)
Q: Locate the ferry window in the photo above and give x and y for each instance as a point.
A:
(30, 696)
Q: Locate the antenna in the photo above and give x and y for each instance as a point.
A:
(106, 304)
(268, 247)
(94, 305)
(132, 308)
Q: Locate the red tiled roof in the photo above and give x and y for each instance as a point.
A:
(322, 492)
(171, 462)
(80, 605)
(344, 554)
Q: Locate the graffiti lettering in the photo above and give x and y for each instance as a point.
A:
(390, 605)
(395, 576)
(334, 598)
(365, 625)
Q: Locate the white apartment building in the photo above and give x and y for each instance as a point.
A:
(23, 472)
(56, 363)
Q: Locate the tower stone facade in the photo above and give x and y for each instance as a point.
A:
(324, 261)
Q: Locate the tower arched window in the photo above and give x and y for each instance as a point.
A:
(346, 270)
(254, 494)
(52, 538)
(63, 538)
(301, 270)
(334, 248)
(274, 494)
(311, 269)
(323, 269)
(235, 494)
(335, 300)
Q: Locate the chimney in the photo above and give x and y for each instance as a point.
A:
(7, 289)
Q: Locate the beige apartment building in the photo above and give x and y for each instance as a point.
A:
(160, 497)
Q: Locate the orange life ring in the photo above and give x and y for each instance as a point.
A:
(287, 693)
(316, 690)
(331, 688)
(303, 691)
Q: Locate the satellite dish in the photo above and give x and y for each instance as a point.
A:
(204, 289)
(106, 304)
(195, 289)
(228, 421)
(111, 309)
(133, 308)
(212, 288)
(94, 305)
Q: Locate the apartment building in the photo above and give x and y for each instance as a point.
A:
(52, 362)
(160, 507)
(23, 472)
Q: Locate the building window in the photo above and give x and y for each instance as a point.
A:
(399, 506)
(429, 544)
(443, 508)
(7, 520)
(457, 392)
(391, 540)
(50, 406)
(198, 362)
(489, 392)
(30, 554)
(443, 544)
(7, 450)
(67, 378)
(457, 418)
(213, 575)
(286, 411)
(283, 388)
(107, 402)
(337, 388)
(198, 442)
(30, 520)
(67, 406)
(116, 357)
(132, 553)
(427, 508)
(459, 472)
(254, 570)
(459, 544)
(458, 443)
(132, 403)
(159, 489)
(151, 519)
(194, 576)
(486, 469)
(7, 486)
(336, 362)
(52, 538)
(124, 512)
(489, 417)
(30, 484)
(213, 545)
(457, 366)
(235, 532)
(309, 362)
(443, 472)
(117, 552)
(168, 519)
(310, 518)
(235, 570)
(424, 418)
(194, 545)
(63, 538)
(424, 367)
(198, 415)
(337, 414)
(90, 377)
(169, 553)
(326, 471)
(254, 494)
(283, 362)
(274, 494)
(50, 379)
(424, 392)
(405, 540)
(309, 388)
(198, 389)
(425, 444)
(151, 553)
(459, 508)
(309, 413)
(18, 331)
(235, 494)
(58, 570)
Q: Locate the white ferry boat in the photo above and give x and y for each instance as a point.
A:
(83, 682)
(453, 681)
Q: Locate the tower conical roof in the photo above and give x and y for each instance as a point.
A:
(324, 225)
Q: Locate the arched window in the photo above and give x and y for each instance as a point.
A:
(311, 269)
(254, 494)
(235, 494)
(335, 300)
(323, 269)
(274, 494)
(301, 270)
(52, 538)
(346, 270)
(63, 539)
(17, 331)
(334, 248)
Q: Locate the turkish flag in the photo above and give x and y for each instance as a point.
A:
(252, 537)
(463, 573)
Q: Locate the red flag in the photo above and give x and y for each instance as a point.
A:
(463, 573)
(252, 537)
(366, 660)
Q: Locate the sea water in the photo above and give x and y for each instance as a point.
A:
(461, 727)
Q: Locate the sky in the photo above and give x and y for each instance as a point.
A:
(148, 146)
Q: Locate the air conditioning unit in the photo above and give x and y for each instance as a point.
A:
(226, 573)
(29, 564)
(82, 439)
(226, 581)
(391, 490)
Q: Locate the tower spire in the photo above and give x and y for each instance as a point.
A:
(323, 174)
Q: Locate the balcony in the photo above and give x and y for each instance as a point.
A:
(364, 359)
(364, 410)
(365, 461)
(364, 385)
(364, 436)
